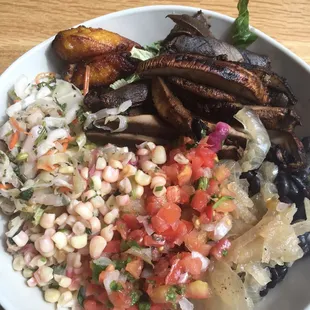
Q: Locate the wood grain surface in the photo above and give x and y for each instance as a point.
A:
(25, 23)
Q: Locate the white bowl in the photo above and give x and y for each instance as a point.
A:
(145, 25)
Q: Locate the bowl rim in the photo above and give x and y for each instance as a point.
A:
(149, 9)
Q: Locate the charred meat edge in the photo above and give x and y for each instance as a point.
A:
(146, 124)
(228, 76)
(211, 47)
(276, 99)
(101, 98)
(123, 139)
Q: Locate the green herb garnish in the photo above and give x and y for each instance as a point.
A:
(242, 36)
(221, 200)
(81, 295)
(158, 188)
(96, 270)
(135, 296)
(125, 245)
(80, 116)
(189, 146)
(180, 289)
(26, 195)
(88, 231)
(42, 136)
(48, 84)
(59, 269)
(144, 305)
(63, 106)
(224, 253)
(116, 286)
(37, 216)
(203, 183)
(171, 294)
(121, 263)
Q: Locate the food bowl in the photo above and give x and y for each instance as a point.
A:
(146, 25)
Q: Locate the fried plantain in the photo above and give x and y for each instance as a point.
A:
(104, 70)
(81, 43)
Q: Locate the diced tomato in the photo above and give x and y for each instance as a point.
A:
(158, 307)
(102, 296)
(197, 163)
(175, 272)
(161, 268)
(158, 294)
(170, 213)
(135, 268)
(220, 248)
(172, 153)
(226, 206)
(207, 215)
(137, 235)
(131, 221)
(221, 173)
(134, 307)
(189, 225)
(197, 241)
(186, 192)
(173, 194)
(154, 240)
(122, 228)
(172, 172)
(200, 200)
(213, 187)
(121, 299)
(92, 289)
(191, 265)
(159, 224)
(153, 204)
(206, 154)
(114, 246)
(90, 304)
(197, 290)
(185, 175)
(176, 235)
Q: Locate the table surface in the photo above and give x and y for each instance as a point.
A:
(25, 23)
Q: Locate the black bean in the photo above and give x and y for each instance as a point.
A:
(254, 187)
(300, 214)
(278, 273)
(264, 292)
(301, 186)
(247, 175)
(304, 242)
(286, 200)
(294, 193)
(306, 142)
(302, 175)
(283, 184)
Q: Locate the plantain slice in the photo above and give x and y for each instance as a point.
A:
(81, 43)
(227, 76)
(104, 70)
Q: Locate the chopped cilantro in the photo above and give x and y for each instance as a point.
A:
(116, 286)
(81, 295)
(171, 294)
(63, 106)
(135, 296)
(42, 136)
(180, 289)
(59, 269)
(203, 183)
(125, 245)
(158, 188)
(88, 231)
(221, 200)
(224, 253)
(144, 305)
(26, 195)
(191, 145)
(37, 216)
(80, 116)
(48, 84)
(96, 270)
(121, 263)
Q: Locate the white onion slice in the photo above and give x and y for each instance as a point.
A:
(20, 86)
(185, 304)
(110, 277)
(204, 260)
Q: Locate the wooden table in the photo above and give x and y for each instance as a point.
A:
(25, 23)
